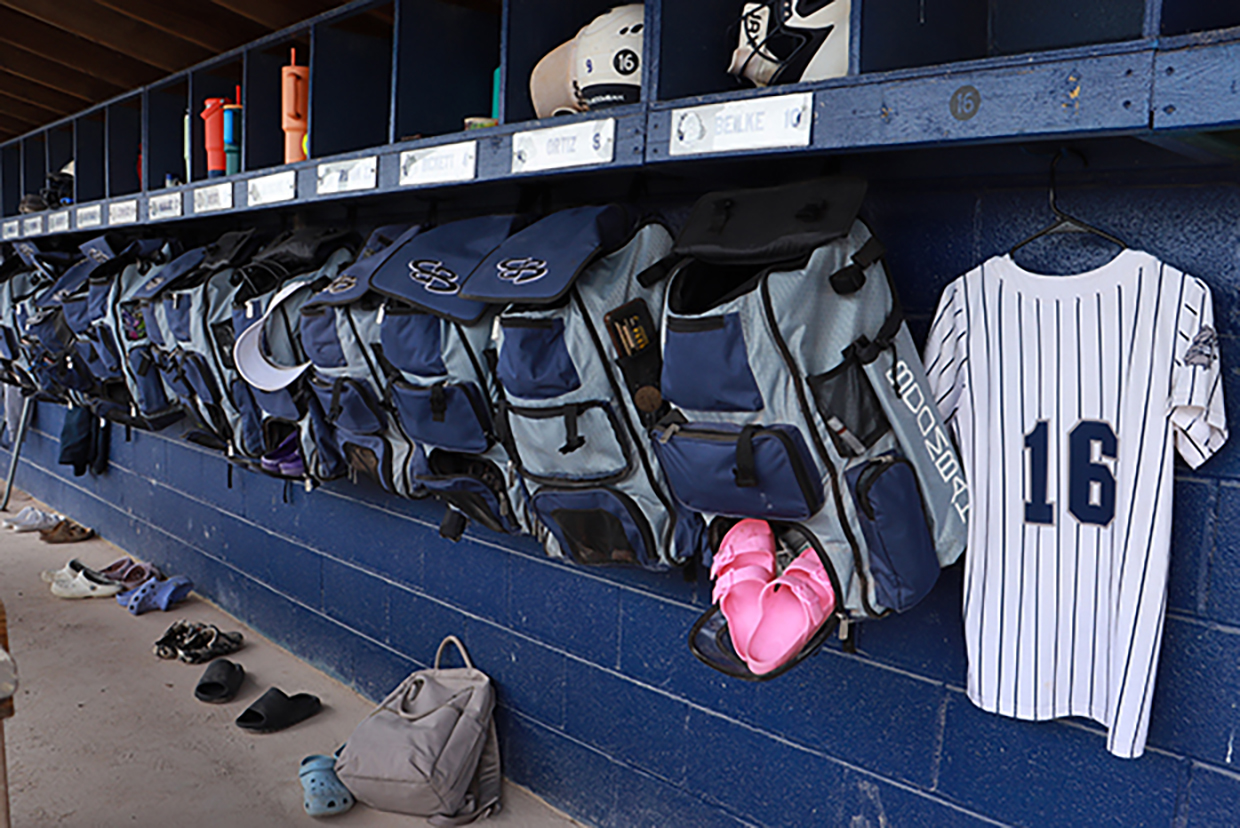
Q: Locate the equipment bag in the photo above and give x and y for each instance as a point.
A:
(569, 413)
(34, 360)
(435, 353)
(788, 366)
(430, 748)
(353, 430)
(186, 313)
(267, 352)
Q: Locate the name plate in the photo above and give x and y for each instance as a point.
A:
(123, 212)
(571, 145)
(91, 216)
(11, 229)
(164, 206)
(272, 189)
(32, 226)
(760, 123)
(58, 222)
(435, 165)
(346, 176)
(212, 198)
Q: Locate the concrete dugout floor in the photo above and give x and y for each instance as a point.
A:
(105, 734)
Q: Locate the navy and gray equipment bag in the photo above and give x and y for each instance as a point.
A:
(435, 352)
(186, 313)
(354, 432)
(272, 287)
(798, 397)
(49, 337)
(569, 413)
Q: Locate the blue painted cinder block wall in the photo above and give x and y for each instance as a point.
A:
(605, 713)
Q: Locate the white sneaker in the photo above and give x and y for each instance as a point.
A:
(83, 586)
(11, 522)
(38, 521)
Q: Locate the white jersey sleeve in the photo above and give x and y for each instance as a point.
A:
(945, 356)
(1197, 389)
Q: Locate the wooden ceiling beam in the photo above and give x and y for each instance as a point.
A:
(37, 115)
(116, 31)
(209, 26)
(61, 78)
(13, 126)
(55, 44)
(276, 14)
(40, 95)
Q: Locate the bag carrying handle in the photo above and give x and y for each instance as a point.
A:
(460, 648)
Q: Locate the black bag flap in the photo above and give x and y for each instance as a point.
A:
(302, 251)
(540, 263)
(354, 281)
(230, 249)
(429, 269)
(771, 224)
(166, 277)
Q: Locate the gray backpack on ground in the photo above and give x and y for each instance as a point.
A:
(430, 748)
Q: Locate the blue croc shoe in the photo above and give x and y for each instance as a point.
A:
(155, 594)
(325, 794)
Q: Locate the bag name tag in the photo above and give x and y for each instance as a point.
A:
(345, 176)
(272, 189)
(571, 145)
(58, 222)
(164, 206)
(214, 197)
(32, 226)
(434, 165)
(122, 212)
(91, 216)
(759, 123)
(11, 229)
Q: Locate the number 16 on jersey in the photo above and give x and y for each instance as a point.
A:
(1091, 483)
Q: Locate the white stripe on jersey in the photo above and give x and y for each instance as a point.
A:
(1068, 395)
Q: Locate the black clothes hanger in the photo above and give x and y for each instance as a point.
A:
(1065, 223)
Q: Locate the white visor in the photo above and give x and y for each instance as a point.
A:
(253, 363)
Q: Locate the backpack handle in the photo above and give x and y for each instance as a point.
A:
(443, 645)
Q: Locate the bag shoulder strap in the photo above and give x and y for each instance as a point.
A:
(486, 789)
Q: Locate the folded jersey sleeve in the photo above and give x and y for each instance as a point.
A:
(946, 357)
(1196, 386)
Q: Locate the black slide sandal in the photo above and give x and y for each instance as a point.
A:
(275, 711)
(220, 682)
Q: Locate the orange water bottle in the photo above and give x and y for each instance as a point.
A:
(295, 99)
(213, 117)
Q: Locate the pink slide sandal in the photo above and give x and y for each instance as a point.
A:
(791, 609)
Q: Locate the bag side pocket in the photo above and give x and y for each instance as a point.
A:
(706, 365)
(903, 562)
(596, 526)
(849, 406)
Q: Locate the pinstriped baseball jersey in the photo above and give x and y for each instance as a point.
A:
(1069, 396)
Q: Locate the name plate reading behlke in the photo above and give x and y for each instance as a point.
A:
(58, 222)
(123, 212)
(271, 189)
(11, 229)
(212, 198)
(32, 226)
(346, 176)
(435, 165)
(571, 145)
(91, 216)
(167, 205)
(759, 123)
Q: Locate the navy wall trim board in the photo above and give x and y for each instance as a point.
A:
(605, 712)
